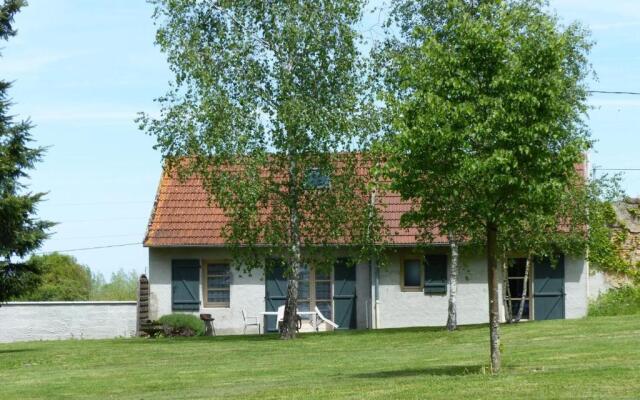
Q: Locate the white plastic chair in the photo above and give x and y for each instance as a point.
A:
(250, 321)
(325, 320)
(280, 316)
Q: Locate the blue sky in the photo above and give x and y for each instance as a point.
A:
(83, 69)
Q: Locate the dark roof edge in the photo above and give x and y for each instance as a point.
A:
(222, 246)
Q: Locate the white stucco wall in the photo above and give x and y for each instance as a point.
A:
(576, 276)
(23, 321)
(402, 309)
(397, 308)
(247, 290)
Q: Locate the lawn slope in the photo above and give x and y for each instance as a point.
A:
(590, 358)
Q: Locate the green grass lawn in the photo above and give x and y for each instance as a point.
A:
(590, 358)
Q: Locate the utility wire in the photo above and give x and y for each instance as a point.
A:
(91, 248)
(616, 169)
(614, 92)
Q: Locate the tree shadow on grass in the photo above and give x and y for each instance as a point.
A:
(194, 339)
(9, 351)
(416, 329)
(272, 336)
(453, 370)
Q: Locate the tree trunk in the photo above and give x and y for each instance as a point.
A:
(452, 318)
(494, 309)
(525, 283)
(506, 289)
(289, 324)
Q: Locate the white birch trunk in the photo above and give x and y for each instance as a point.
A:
(506, 292)
(525, 284)
(288, 329)
(452, 317)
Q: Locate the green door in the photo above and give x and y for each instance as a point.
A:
(548, 289)
(185, 285)
(344, 294)
(275, 294)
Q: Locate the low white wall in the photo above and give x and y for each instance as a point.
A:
(23, 321)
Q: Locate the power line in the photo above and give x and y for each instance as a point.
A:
(614, 92)
(91, 248)
(616, 169)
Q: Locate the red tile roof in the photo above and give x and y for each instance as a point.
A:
(182, 216)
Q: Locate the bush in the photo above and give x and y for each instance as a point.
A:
(621, 301)
(182, 325)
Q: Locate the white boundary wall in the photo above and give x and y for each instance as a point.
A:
(50, 320)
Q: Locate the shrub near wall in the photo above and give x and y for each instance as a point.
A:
(182, 325)
(621, 301)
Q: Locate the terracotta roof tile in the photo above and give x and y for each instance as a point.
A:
(182, 216)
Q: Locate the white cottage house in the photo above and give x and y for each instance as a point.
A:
(190, 271)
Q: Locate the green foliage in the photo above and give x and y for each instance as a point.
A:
(20, 230)
(620, 301)
(605, 241)
(8, 9)
(62, 279)
(122, 286)
(489, 104)
(265, 93)
(488, 99)
(183, 323)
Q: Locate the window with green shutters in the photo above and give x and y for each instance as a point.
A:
(428, 275)
(435, 274)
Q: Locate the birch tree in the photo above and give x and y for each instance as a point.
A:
(452, 310)
(268, 107)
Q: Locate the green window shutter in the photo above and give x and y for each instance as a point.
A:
(344, 295)
(276, 291)
(435, 274)
(185, 285)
